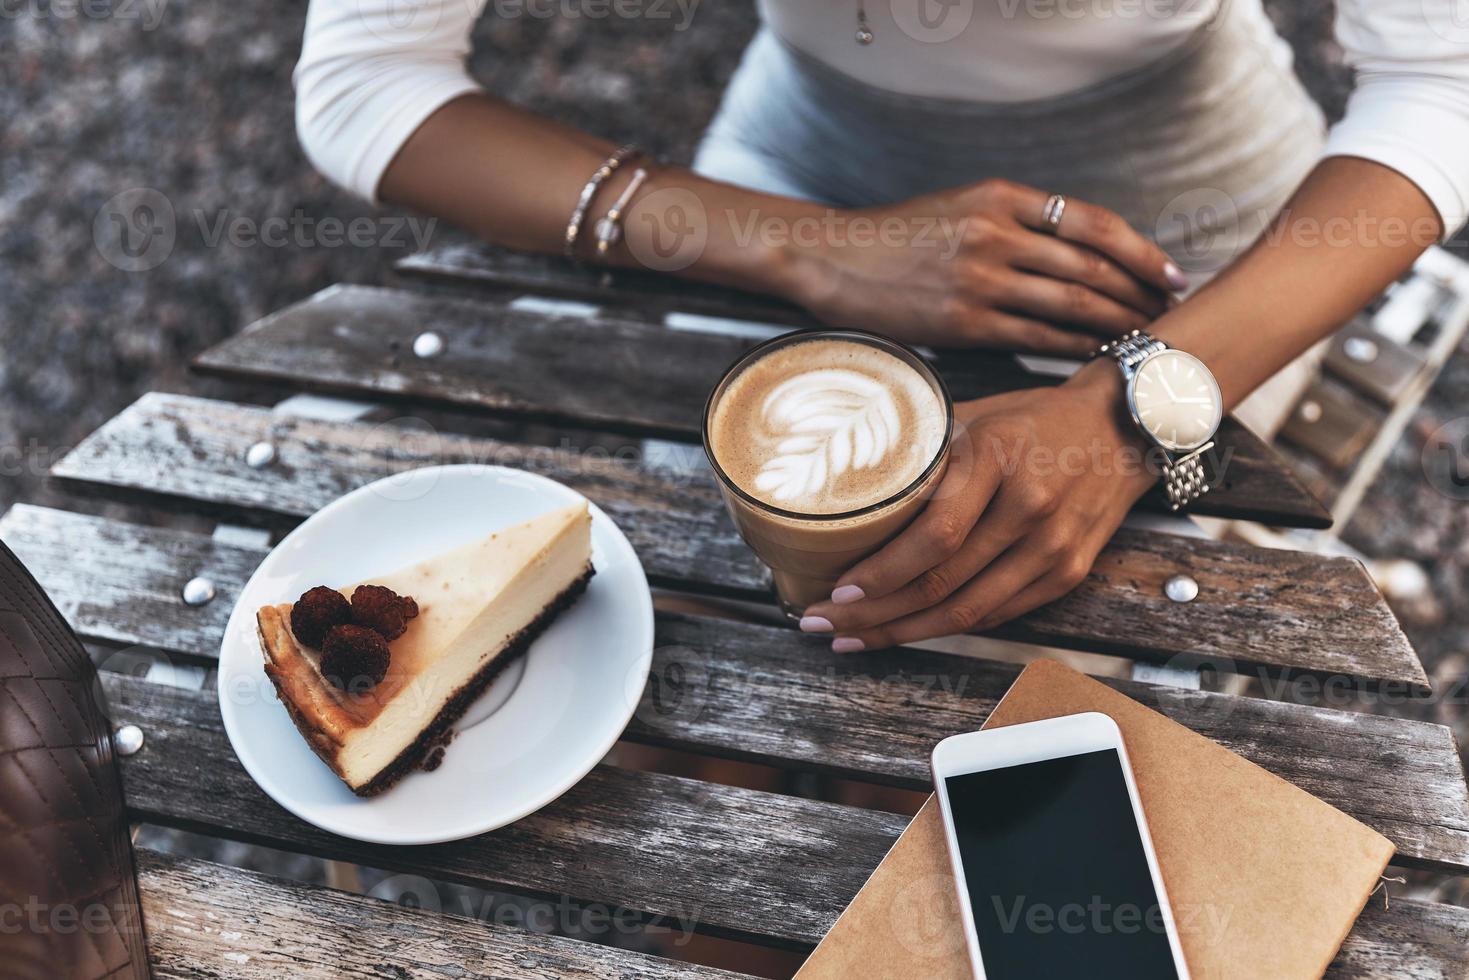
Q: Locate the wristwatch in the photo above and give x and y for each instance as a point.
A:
(1175, 401)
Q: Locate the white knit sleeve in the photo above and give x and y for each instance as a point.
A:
(1410, 109)
(371, 72)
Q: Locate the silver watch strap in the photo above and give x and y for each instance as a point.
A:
(1184, 479)
(1131, 350)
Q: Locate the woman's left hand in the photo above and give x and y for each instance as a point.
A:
(1036, 484)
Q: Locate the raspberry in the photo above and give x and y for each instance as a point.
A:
(379, 608)
(316, 612)
(354, 657)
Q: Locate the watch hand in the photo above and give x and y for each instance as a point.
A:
(1163, 380)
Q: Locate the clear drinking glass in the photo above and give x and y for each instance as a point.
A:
(807, 553)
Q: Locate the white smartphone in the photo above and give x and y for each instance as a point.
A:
(1056, 871)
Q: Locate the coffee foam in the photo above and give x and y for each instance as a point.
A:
(826, 426)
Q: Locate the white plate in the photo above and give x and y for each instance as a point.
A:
(540, 727)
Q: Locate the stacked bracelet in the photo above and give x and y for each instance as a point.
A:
(609, 229)
(584, 201)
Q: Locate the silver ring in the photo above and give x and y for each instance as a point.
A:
(1052, 212)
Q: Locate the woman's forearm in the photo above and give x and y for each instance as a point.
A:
(1350, 229)
(513, 178)
(963, 267)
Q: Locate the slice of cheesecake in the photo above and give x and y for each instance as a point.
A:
(480, 606)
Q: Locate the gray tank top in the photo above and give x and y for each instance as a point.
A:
(1197, 150)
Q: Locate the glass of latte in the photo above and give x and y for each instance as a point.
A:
(826, 444)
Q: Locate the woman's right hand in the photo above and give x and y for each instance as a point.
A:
(972, 267)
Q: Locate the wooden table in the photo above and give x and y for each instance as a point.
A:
(602, 394)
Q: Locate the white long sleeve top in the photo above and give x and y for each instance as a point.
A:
(371, 71)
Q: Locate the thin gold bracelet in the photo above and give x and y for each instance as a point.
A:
(584, 201)
(609, 229)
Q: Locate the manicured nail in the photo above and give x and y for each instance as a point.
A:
(815, 624)
(844, 594)
(1175, 276)
(847, 644)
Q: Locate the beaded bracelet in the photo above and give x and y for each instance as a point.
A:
(579, 215)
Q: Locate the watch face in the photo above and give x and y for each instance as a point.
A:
(1176, 400)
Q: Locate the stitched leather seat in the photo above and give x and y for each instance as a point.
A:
(68, 895)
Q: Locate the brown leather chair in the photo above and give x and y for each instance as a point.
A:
(68, 892)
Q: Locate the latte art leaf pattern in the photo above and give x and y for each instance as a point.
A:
(830, 422)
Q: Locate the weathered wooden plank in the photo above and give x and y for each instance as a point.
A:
(648, 294)
(122, 583)
(767, 695)
(1332, 423)
(685, 853)
(611, 371)
(214, 921)
(1408, 941)
(1266, 608)
(195, 448)
(1373, 363)
(743, 691)
(1274, 494)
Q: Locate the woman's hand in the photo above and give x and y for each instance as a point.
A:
(1036, 484)
(971, 267)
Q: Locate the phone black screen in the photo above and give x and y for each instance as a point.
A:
(1057, 878)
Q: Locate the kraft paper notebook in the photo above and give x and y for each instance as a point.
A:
(1265, 880)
